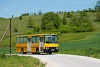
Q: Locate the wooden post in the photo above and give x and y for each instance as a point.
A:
(10, 38)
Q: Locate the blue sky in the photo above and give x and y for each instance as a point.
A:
(17, 7)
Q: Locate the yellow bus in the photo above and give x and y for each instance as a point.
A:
(37, 43)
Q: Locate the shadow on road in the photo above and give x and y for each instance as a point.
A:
(38, 54)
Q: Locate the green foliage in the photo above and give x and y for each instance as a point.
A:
(57, 21)
(30, 22)
(15, 29)
(83, 13)
(20, 17)
(35, 14)
(40, 12)
(36, 28)
(50, 17)
(25, 14)
(98, 16)
(3, 56)
(73, 21)
(64, 20)
(69, 14)
(81, 23)
(63, 29)
(97, 6)
(50, 26)
(91, 10)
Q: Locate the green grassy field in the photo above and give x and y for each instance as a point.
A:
(86, 43)
(89, 46)
(20, 61)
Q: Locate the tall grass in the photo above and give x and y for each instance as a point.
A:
(20, 61)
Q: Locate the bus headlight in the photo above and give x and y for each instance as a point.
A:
(47, 47)
(57, 48)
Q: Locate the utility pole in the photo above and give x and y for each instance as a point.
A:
(10, 38)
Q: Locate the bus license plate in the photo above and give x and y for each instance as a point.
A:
(52, 49)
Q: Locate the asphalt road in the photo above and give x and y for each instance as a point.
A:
(63, 60)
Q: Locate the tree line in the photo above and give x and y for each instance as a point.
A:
(68, 23)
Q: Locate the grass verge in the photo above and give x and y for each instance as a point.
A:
(19, 61)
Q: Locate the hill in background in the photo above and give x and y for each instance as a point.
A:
(22, 29)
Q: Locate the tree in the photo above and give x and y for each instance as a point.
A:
(57, 21)
(40, 12)
(73, 21)
(91, 10)
(97, 6)
(68, 15)
(50, 17)
(30, 22)
(64, 21)
(25, 14)
(35, 14)
(20, 17)
(98, 16)
(49, 26)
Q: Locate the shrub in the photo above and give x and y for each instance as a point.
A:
(98, 16)
(30, 22)
(3, 56)
(20, 17)
(15, 29)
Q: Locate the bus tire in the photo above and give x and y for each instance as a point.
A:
(37, 51)
(50, 52)
(22, 51)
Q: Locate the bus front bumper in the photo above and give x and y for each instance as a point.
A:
(51, 49)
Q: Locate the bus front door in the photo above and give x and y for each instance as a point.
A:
(29, 45)
(41, 44)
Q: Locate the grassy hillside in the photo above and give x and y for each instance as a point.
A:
(86, 43)
(21, 25)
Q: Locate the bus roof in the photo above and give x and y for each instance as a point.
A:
(35, 35)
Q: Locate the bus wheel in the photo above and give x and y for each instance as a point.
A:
(50, 52)
(22, 51)
(37, 51)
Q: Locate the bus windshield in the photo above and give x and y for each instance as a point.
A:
(51, 39)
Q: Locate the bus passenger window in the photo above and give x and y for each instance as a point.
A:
(36, 39)
(25, 39)
(33, 39)
(21, 40)
(17, 40)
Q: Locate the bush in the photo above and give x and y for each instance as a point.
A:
(15, 29)
(98, 16)
(36, 28)
(3, 56)
(20, 17)
(30, 22)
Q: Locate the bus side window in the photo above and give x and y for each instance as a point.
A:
(36, 39)
(21, 40)
(33, 39)
(25, 40)
(17, 40)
